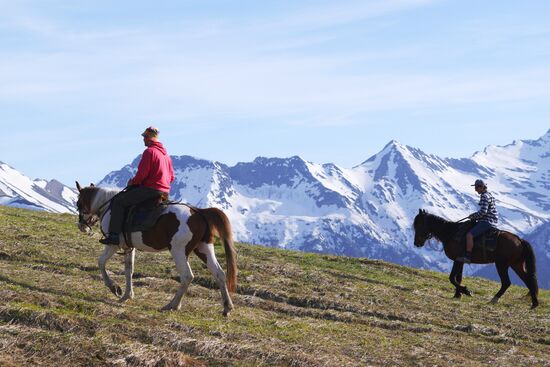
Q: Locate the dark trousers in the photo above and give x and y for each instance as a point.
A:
(480, 228)
(125, 200)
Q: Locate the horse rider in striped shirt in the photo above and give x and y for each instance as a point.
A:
(487, 217)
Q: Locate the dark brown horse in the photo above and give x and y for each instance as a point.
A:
(511, 251)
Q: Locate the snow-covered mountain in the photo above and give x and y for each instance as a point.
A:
(20, 191)
(366, 210)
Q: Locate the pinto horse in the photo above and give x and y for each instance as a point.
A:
(180, 229)
(511, 251)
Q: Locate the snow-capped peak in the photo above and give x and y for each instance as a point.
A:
(18, 190)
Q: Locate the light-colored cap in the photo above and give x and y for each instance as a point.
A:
(151, 132)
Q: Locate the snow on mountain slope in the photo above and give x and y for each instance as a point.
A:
(520, 173)
(20, 191)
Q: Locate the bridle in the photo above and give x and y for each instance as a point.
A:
(87, 218)
(428, 235)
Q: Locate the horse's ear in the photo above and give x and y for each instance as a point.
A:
(78, 186)
(92, 185)
(421, 211)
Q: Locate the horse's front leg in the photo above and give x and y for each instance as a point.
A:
(129, 272)
(108, 252)
(456, 279)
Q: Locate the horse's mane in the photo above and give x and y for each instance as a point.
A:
(103, 194)
(442, 228)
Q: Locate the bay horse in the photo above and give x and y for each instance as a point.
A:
(180, 229)
(511, 251)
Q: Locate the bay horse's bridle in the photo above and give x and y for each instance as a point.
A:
(426, 235)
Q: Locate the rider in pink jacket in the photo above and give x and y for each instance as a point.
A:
(152, 179)
(155, 168)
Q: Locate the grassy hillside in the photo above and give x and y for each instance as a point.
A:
(291, 309)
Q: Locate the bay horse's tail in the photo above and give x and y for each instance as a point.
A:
(530, 263)
(219, 223)
(529, 258)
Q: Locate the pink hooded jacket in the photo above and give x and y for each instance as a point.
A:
(155, 168)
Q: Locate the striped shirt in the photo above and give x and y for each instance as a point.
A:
(487, 209)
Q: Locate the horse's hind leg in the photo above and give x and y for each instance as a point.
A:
(530, 282)
(205, 251)
(107, 253)
(186, 276)
(504, 281)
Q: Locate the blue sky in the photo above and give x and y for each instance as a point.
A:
(331, 81)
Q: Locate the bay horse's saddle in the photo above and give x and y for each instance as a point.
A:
(487, 241)
(144, 215)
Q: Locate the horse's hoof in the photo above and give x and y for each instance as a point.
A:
(168, 307)
(226, 313)
(494, 301)
(125, 298)
(534, 305)
(117, 291)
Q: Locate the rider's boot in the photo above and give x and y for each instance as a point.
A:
(112, 239)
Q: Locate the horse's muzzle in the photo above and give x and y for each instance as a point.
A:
(84, 228)
(418, 243)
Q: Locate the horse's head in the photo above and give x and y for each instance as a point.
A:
(421, 231)
(86, 215)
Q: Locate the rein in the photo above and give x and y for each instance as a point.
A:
(98, 215)
(446, 237)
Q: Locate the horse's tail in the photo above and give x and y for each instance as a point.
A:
(529, 258)
(219, 223)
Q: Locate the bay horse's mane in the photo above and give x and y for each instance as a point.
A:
(441, 228)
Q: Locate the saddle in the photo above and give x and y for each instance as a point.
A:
(144, 215)
(488, 240)
(485, 242)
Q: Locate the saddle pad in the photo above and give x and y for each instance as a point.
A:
(141, 220)
(488, 240)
